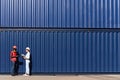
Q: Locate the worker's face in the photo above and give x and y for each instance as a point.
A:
(14, 50)
(27, 50)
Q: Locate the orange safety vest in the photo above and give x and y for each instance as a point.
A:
(13, 56)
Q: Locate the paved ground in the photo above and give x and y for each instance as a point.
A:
(62, 77)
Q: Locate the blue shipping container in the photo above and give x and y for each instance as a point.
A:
(63, 51)
(60, 13)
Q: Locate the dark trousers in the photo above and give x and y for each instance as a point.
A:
(15, 66)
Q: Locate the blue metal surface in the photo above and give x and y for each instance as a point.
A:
(60, 13)
(63, 51)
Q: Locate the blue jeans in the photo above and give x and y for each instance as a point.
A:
(14, 70)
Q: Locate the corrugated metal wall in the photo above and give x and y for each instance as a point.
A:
(60, 13)
(63, 51)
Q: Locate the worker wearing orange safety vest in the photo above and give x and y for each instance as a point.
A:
(15, 62)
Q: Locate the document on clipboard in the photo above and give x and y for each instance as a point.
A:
(22, 55)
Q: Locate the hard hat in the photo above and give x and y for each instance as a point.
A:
(27, 48)
(14, 47)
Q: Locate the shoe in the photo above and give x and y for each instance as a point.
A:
(16, 74)
(12, 75)
(26, 75)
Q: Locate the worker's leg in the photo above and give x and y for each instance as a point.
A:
(27, 68)
(13, 69)
(16, 67)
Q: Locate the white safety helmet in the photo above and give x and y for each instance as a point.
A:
(27, 48)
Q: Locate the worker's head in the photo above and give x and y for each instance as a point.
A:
(27, 49)
(14, 48)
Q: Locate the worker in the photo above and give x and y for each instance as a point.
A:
(15, 62)
(27, 60)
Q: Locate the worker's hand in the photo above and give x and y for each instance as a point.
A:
(24, 57)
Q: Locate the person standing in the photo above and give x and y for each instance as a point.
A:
(27, 60)
(15, 62)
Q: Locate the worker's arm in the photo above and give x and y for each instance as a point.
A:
(18, 54)
(25, 58)
(11, 56)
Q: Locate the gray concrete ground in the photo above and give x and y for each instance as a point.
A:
(61, 77)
